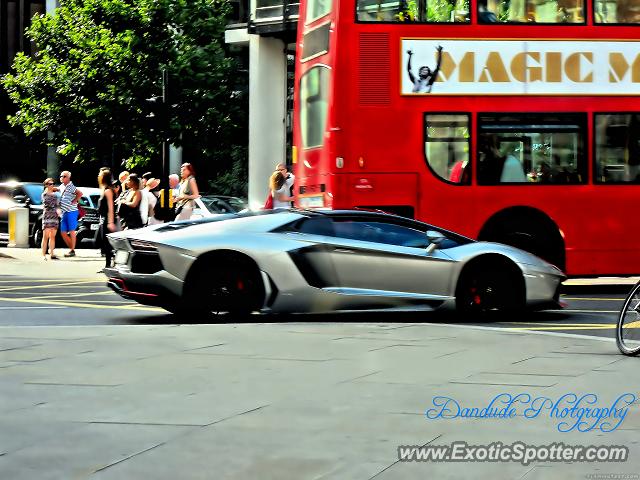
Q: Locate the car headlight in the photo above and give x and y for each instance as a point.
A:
(143, 246)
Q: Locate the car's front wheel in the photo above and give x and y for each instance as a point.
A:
(490, 284)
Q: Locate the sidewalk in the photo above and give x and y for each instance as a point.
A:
(290, 401)
(28, 262)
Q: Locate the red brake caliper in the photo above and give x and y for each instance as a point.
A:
(474, 295)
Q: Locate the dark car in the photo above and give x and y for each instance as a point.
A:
(29, 194)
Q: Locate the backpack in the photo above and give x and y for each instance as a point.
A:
(268, 204)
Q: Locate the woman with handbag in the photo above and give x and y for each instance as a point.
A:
(187, 193)
(129, 209)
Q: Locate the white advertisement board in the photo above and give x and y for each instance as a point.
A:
(517, 67)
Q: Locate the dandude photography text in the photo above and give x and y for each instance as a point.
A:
(515, 452)
(571, 411)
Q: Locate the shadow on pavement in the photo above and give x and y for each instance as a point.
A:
(376, 316)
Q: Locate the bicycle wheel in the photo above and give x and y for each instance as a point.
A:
(628, 329)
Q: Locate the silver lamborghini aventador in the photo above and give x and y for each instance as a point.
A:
(319, 261)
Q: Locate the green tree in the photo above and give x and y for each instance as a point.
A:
(98, 61)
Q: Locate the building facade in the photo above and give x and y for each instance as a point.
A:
(18, 157)
(267, 28)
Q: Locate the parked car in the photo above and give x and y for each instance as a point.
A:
(209, 205)
(89, 225)
(308, 261)
(25, 194)
(29, 194)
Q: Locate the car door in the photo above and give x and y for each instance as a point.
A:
(374, 254)
(313, 257)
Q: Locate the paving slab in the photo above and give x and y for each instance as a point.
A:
(290, 400)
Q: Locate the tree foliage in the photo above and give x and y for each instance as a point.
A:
(99, 60)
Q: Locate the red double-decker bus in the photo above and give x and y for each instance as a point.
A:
(511, 121)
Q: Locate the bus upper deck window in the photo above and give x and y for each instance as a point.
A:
(436, 11)
(616, 11)
(531, 11)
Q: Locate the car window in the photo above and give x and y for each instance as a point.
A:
(34, 192)
(380, 232)
(311, 226)
(95, 199)
(84, 201)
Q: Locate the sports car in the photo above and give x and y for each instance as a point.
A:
(288, 261)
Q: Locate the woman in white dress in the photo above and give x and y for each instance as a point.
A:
(279, 191)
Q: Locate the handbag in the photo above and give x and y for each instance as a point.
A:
(268, 204)
(81, 212)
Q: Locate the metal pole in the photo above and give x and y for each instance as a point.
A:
(164, 125)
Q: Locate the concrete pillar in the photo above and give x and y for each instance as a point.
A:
(53, 160)
(267, 110)
(51, 5)
(175, 159)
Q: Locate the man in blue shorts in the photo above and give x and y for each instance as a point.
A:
(69, 196)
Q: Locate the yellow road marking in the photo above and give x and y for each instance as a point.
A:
(551, 324)
(55, 285)
(86, 294)
(563, 328)
(81, 305)
(45, 280)
(573, 310)
(590, 299)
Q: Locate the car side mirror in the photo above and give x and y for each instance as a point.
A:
(21, 199)
(435, 238)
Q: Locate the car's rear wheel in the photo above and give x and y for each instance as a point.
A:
(36, 238)
(490, 284)
(228, 282)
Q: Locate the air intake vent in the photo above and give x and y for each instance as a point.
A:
(375, 69)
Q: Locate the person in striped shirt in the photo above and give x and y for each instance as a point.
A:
(69, 196)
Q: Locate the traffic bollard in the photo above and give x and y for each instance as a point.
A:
(18, 227)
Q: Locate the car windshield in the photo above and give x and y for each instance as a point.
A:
(223, 205)
(237, 203)
(33, 190)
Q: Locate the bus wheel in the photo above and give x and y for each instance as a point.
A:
(529, 230)
(490, 283)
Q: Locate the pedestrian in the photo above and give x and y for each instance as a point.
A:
(188, 192)
(50, 218)
(174, 184)
(69, 196)
(107, 210)
(289, 178)
(152, 200)
(279, 190)
(129, 209)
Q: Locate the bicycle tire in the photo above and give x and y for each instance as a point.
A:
(629, 323)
